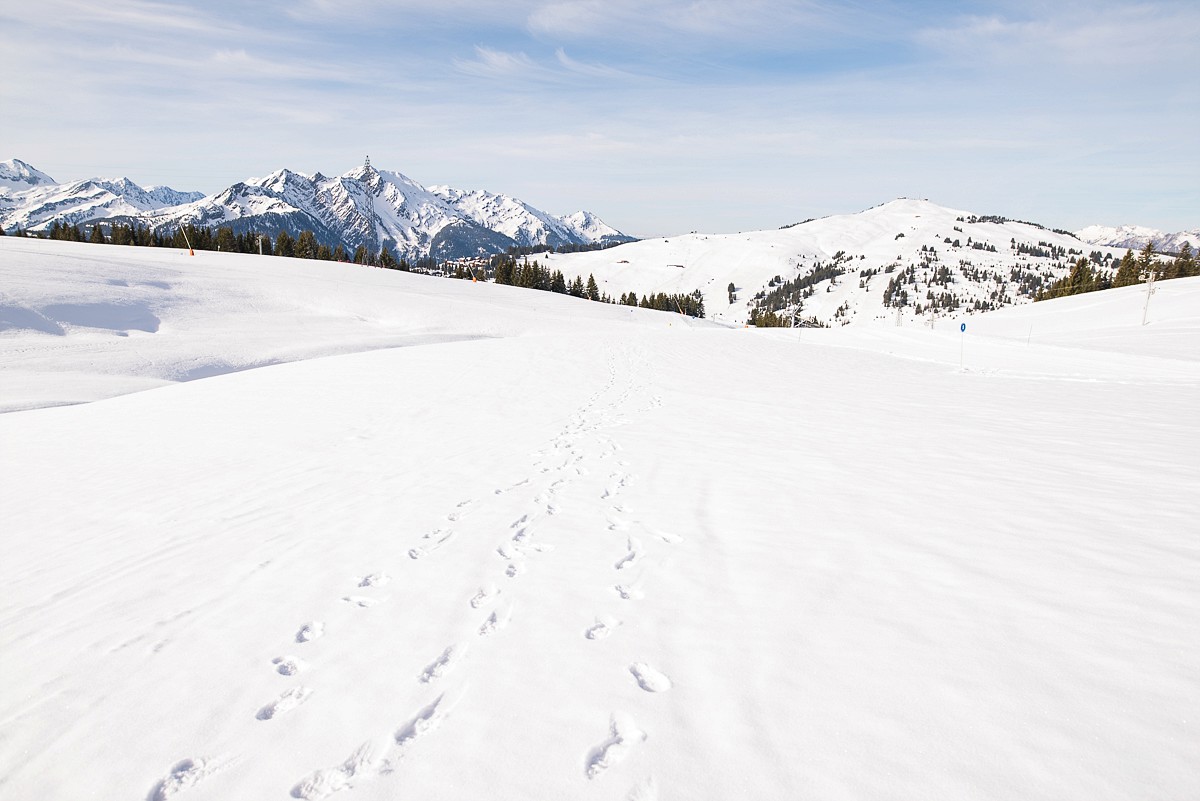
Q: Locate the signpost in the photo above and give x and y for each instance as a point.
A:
(962, 338)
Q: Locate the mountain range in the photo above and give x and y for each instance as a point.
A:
(1137, 236)
(365, 206)
(905, 260)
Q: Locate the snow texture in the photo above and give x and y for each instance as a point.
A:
(859, 563)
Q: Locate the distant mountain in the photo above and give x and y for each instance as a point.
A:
(362, 207)
(17, 175)
(907, 260)
(31, 200)
(1136, 237)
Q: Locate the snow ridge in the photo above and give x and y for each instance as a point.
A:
(364, 206)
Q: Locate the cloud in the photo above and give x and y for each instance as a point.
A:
(683, 24)
(500, 64)
(1113, 38)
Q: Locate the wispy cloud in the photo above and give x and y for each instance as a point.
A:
(766, 109)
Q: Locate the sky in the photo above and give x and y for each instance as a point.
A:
(660, 116)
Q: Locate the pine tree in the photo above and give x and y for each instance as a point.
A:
(360, 254)
(1146, 262)
(577, 290)
(339, 254)
(593, 291)
(97, 236)
(306, 245)
(558, 283)
(1127, 271)
(285, 245)
(1185, 263)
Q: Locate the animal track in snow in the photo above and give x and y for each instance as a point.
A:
(513, 570)
(443, 664)
(288, 665)
(624, 735)
(629, 592)
(374, 580)
(495, 621)
(650, 679)
(310, 631)
(617, 524)
(601, 629)
(438, 538)
(360, 601)
(485, 595)
(185, 773)
(369, 759)
(422, 723)
(286, 702)
(628, 560)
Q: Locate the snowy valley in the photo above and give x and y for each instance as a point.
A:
(459, 540)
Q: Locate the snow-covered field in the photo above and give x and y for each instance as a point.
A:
(501, 544)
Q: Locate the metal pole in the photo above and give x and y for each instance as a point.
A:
(1149, 292)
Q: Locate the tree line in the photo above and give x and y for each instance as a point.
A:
(1086, 276)
(532, 275)
(502, 269)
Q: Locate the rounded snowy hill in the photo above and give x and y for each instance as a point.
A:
(987, 259)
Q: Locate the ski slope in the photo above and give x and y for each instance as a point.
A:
(465, 541)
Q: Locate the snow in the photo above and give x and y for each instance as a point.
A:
(885, 239)
(1136, 237)
(655, 558)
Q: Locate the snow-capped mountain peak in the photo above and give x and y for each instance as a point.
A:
(1137, 236)
(16, 174)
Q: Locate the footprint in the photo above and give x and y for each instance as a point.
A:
(629, 592)
(422, 723)
(288, 665)
(418, 553)
(495, 622)
(365, 603)
(650, 679)
(617, 524)
(374, 580)
(624, 736)
(629, 559)
(513, 570)
(369, 759)
(310, 631)
(186, 773)
(443, 664)
(601, 629)
(484, 596)
(286, 702)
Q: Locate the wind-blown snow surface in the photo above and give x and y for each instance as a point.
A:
(588, 551)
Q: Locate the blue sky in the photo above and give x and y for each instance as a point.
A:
(662, 116)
